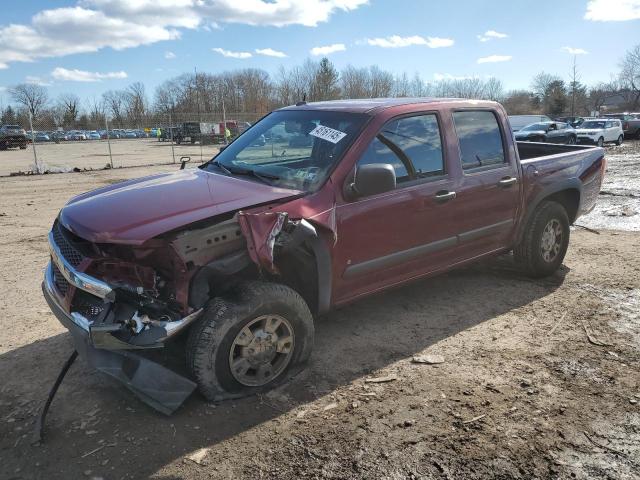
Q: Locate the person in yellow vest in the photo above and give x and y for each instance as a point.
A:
(227, 134)
(159, 133)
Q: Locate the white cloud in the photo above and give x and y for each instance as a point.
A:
(575, 51)
(76, 75)
(495, 59)
(437, 42)
(396, 41)
(3, 66)
(230, 54)
(491, 34)
(169, 55)
(612, 10)
(328, 49)
(270, 52)
(92, 25)
(37, 81)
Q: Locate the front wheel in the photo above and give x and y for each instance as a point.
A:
(620, 139)
(571, 140)
(601, 141)
(545, 240)
(249, 341)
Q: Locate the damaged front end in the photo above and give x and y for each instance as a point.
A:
(114, 305)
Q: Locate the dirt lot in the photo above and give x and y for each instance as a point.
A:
(524, 391)
(94, 154)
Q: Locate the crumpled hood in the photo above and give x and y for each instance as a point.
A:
(135, 211)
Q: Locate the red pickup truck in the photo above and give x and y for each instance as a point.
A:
(314, 206)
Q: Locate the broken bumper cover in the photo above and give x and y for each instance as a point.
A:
(154, 384)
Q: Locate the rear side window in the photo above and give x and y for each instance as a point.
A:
(480, 139)
(411, 144)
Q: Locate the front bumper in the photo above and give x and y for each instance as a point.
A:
(586, 140)
(102, 346)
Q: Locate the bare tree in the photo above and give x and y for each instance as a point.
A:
(136, 103)
(114, 102)
(33, 97)
(69, 103)
(630, 76)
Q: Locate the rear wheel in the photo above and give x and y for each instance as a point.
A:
(620, 139)
(571, 140)
(249, 342)
(601, 141)
(545, 240)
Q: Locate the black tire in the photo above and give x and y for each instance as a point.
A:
(620, 139)
(211, 339)
(600, 142)
(529, 252)
(571, 140)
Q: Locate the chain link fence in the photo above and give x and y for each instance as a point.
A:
(118, 143)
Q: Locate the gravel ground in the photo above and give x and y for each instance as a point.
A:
(539, 378)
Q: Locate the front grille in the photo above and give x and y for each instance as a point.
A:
(68, 251)
(87, 305)
(61, 283)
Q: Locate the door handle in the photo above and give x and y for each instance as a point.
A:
(444, 196)
(507, 182)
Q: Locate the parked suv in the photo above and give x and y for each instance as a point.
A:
(600, 131)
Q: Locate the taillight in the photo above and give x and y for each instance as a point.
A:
(625, 125)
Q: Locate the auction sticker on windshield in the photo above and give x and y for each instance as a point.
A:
(328, 134)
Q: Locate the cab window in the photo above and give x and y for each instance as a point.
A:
(411, 145)
(480, 139)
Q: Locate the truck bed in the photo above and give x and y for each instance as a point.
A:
(547, 166)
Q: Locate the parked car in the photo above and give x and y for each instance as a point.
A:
(93, 135)
(75, 135)
(252, 245)
(42, 137)
(520, 121)
(12, 136)
(601, 131)
(548, 132)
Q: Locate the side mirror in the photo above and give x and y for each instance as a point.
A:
(372, 179)
(184, 161)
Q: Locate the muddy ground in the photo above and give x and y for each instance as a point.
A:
(539, 380)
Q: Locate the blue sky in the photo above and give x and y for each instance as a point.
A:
(90, 46)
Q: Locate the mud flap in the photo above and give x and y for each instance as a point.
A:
(157, 386)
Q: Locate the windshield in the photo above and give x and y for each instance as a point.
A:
(291, 148)
(592, 125)
(536, 126)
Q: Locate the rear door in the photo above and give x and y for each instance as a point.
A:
(488, 191)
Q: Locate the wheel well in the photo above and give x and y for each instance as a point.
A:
(569, 199)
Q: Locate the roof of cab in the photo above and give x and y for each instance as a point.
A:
(372, 105)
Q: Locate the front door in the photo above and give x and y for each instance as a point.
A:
(391, 237)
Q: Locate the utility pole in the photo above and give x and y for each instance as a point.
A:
(574, 81)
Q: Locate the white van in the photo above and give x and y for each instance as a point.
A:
(599, 131)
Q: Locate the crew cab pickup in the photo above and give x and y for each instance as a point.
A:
(242, 253)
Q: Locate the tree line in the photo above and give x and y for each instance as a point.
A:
(255, 92)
